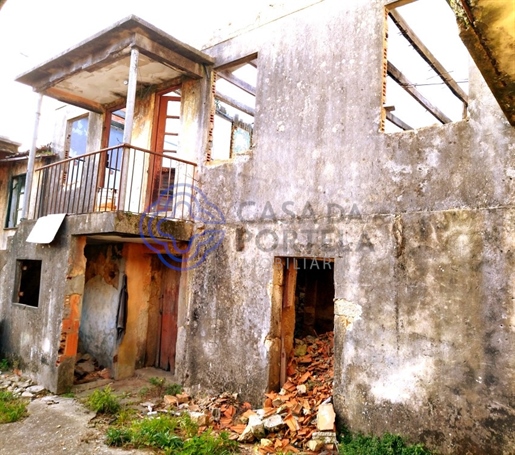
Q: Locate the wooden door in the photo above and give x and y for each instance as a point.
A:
(169, 306)
(165, 141)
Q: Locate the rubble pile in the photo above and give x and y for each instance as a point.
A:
(87, 369)
(20, 386)
(299, 418)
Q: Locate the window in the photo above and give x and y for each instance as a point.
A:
(234, 110)
(113, 136)
(76, 137)
(426, 72)
(16, 200)
(28, 276)
(76, 146)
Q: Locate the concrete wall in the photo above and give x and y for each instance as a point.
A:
(424, 302)
(44, 338)
(103, 281)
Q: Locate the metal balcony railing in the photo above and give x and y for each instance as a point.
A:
(121, 178)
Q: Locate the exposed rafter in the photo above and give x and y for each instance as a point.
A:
(426, 54)
(403, 81)
(237, 82)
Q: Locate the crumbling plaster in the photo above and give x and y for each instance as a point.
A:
(423, 265)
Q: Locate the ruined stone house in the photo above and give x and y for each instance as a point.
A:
(201, 207)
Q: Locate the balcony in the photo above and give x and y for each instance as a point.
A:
(124, 178)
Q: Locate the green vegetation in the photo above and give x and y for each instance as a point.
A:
(160, 388)
(11, 408)
(388, 444)
(170, 435)
(5, 365)
(103, 401)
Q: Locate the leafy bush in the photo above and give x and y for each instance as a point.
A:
(11, 408)
(388, 444)
(103, 401)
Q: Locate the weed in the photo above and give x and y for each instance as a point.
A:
(118, 436)
(144, 391)
(388, 444)
(67, 395)
(11, 408)
(209, 443)
(172, 389)
(173, 435)
(103, 401)
(157, 382)
(125, 416)
(5, 365)
(159, 388)
(188, 428)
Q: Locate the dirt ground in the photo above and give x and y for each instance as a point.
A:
(66, 426)
(62, 427)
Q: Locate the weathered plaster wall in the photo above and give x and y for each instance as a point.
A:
(46, 336)
(103, 281)
(423, 315)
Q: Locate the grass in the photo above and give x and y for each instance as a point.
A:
(11, 408)
(103, 401)
(159, 387)
(170, 435)
(388, 444)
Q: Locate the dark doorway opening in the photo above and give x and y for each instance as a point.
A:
(314, 297)
(304, 304)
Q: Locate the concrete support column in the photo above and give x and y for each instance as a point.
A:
(32, 159)
(129, 121)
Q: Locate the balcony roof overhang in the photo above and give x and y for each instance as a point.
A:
(487, 28)
(94, 73)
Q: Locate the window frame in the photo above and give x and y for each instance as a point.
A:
(11, 221)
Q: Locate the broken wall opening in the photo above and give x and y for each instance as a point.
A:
(302, 307)
(425, 72)
(99, 326)
(234, 93)
(28, 282)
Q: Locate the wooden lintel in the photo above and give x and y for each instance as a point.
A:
(235, 103)
(397, 3)
(168, 57)
(233, 64)
(398, 77)
(237, 82)
(76, 100)
(397, 121)
(426, 54)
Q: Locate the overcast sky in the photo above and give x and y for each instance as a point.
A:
(32, 31)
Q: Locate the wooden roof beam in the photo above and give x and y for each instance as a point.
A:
(398, 77)
(236, 104)
(426, 54)
(397, 121)
(245, 86)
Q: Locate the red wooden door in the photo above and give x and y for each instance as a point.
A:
(165, 142)
(169, 304)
